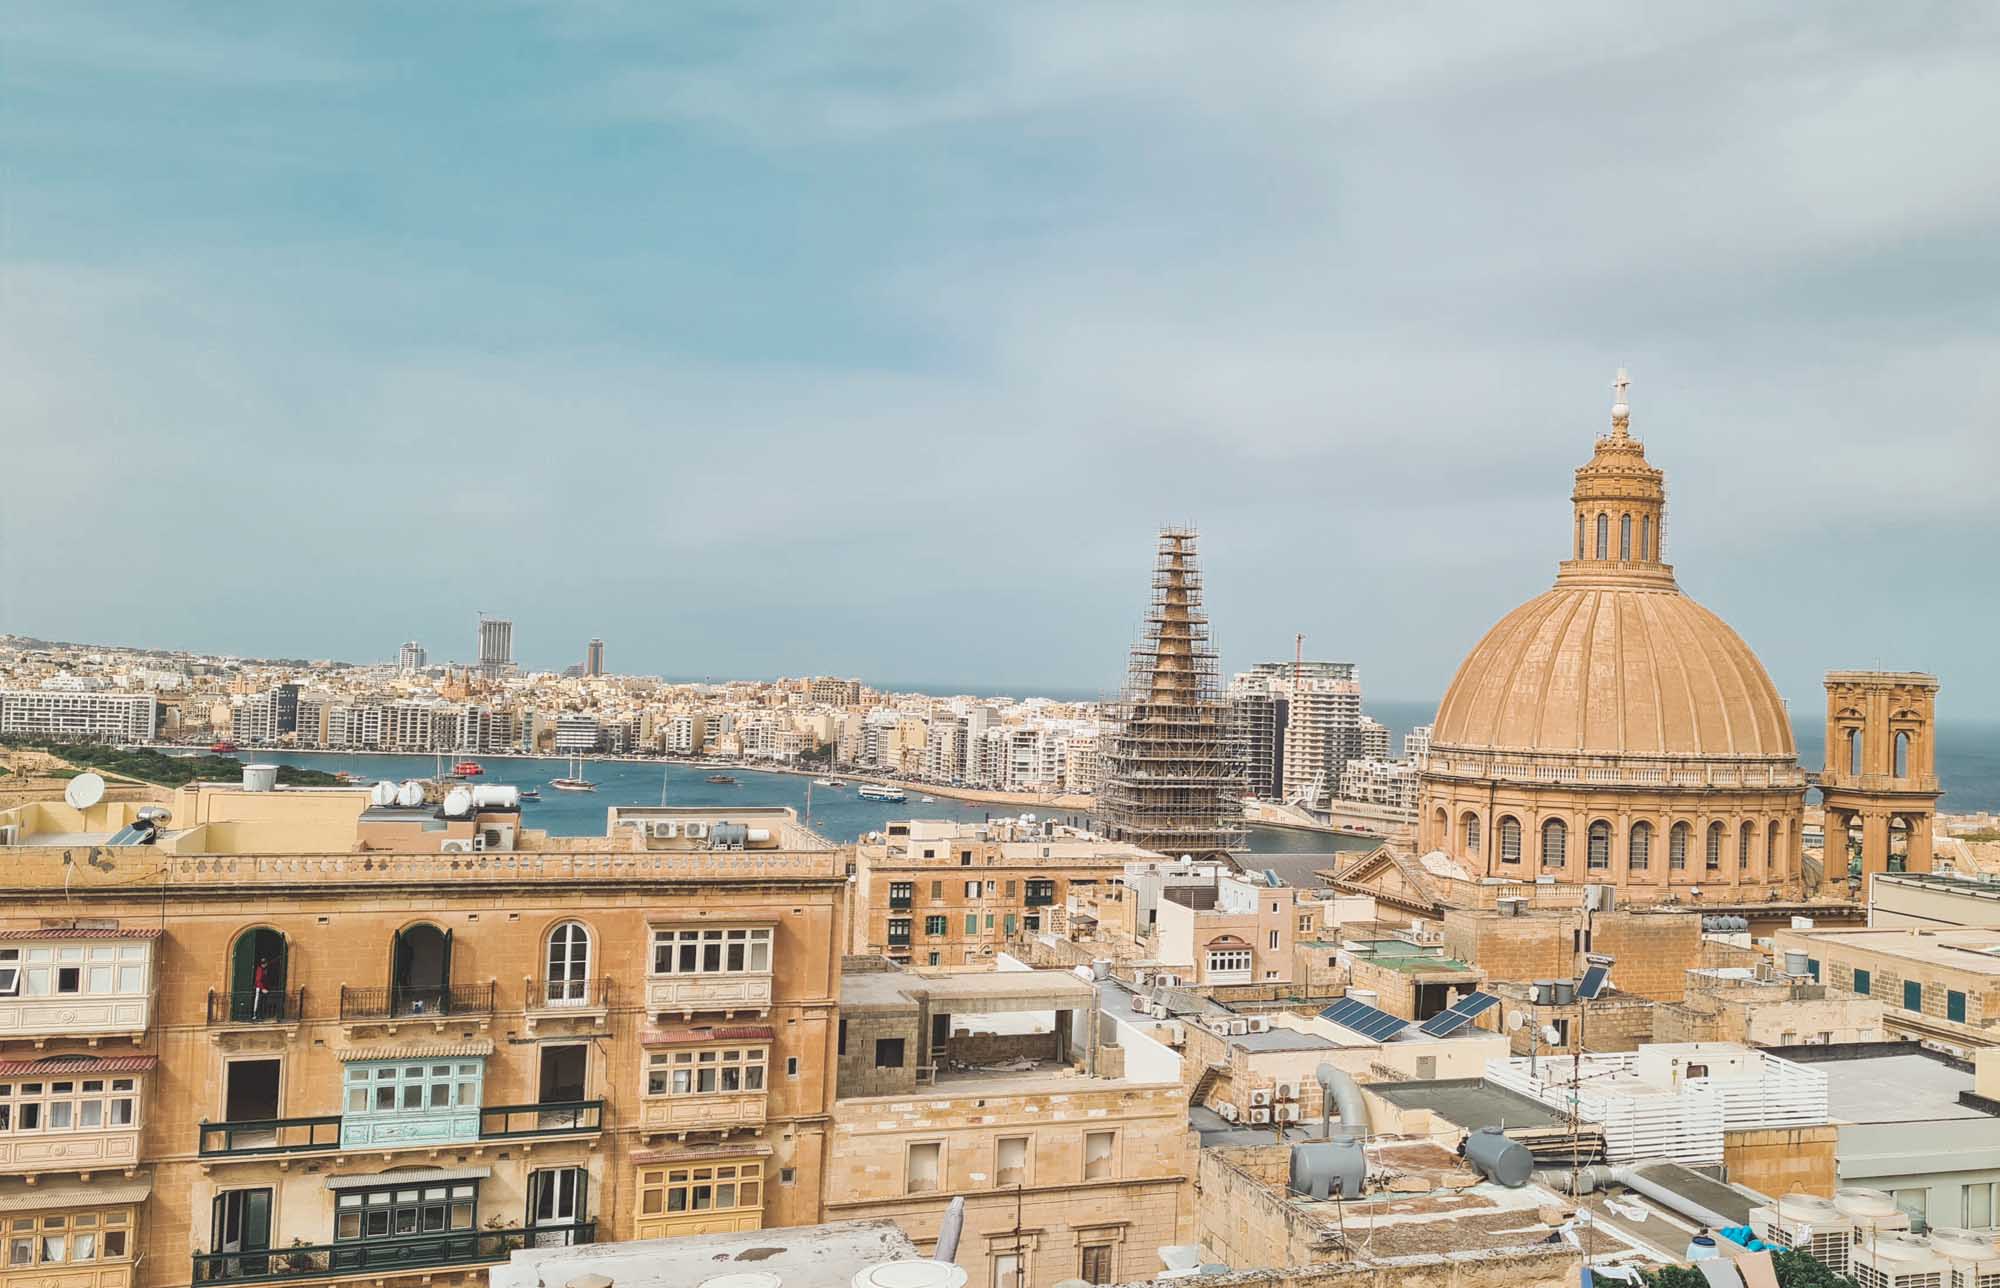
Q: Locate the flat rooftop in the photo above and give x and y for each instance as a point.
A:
(1895, 1089)
(804, 1256)
(1977, 951)
(1010, 990)
(1283, 1040)
(1471, 1103)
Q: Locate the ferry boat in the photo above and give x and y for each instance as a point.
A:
(222, 747)
(575, 781)
(724, 779)
(878, 792)
(467, 769)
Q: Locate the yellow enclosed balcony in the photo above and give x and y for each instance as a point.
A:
(710, 970)
(89, 983)
(705, 1080)
(71, 1114)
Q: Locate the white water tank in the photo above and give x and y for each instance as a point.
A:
(410, 794)
(1797, 964)
(496, 796)
(457, 803)
(1366, 996)
(910, 1274)
(383, 793)
(260, 778)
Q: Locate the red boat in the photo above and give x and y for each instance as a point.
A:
(467, 769)
(222, 747)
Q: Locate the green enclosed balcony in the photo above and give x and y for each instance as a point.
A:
(384, 1257)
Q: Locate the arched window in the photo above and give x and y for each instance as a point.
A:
(1625, 537)
(1469, 826)
(1902, 755)
(1639, 851)
(420, 971)
(1714, 846)
(1854, 752)
(1744, 836)
(1510, 840)
(568, 980)
(1579, 536)
(1677, 845)
(1773, 840)
(1646, 536)
(257, 976)
(1442, 822)
(1598, 855)
(1603, 536)
(1555, 843)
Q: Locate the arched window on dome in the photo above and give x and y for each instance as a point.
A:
(1677, 845)
(1714, 856)
(1603, 536)
(1625, 538)
(1510, 840)
(1598, 855)
(1555, 843)
(1773, 840)
(1639, 849)
(1745, 835)
(1646, 536)
(1468, 828)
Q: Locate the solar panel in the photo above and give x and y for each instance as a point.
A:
(1370, 1023)
(1591, 984)
(1477, 1004)
(1445, 1023)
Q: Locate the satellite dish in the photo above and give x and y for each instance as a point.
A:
(384, 793)
(1551, 1035)
(84, 791)
(458, 802)
(1515, 1019)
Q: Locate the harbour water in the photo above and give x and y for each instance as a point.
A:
(837, 813)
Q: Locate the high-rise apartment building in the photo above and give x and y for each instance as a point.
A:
(825, 690)
(576, 732)
(1172, 763)
(411, 657)
(1322, 727)
(593, 658)
(1260, 706)
(89, 717)
(496, 645)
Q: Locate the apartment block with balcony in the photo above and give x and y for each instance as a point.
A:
(936, 893)
(1005, 1088)
(1228, 929)
(368, 1057)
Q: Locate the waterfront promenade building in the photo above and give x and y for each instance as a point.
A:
(1612, 729)
(293, 1036)
(84, 716)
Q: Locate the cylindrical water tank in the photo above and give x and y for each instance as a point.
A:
(728, 836)
(910, 1274)
(260, 778)
(758, 835)
(496, 796)
(457, 803)
(1324, 1168)
(1366, 996)
(1796, 963)
(1499, 1159)
(1861, 1202)
(410, 794)
(1545, 992)
(1563, 990)
(383, 793)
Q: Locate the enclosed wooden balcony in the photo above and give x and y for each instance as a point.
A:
(679, 1115)
(690, 995)
(84, 983)
(70, 1114)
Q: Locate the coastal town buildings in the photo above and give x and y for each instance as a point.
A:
(70, 713)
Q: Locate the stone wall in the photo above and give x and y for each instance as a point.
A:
(1780, 1161)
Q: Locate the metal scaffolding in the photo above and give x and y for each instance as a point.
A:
(1174, 768)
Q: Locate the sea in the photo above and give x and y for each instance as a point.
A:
(1968, 764)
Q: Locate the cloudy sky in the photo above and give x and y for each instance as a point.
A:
(880, 338)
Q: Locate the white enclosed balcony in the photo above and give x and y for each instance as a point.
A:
(89, 983)
(71, 1114)
(723, 970)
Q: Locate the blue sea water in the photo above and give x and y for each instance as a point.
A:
(837, 813)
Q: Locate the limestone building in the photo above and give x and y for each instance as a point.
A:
(1612, 729)
(293, 1035)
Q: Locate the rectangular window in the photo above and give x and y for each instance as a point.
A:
(899, 930)
(1225, 961)
(1010, 1161)
(71, 1104)
(1010, 889)
(935, 926)
(1954, 1006)
(972, 889)
(721, 951)
(382, 1087)
(718, 1071)
(1095, 1263)
(1978, 1207)
(921, 1167)
(971, 923)
(901, 893)
(1913, 995)
(1010, 1270)
(1861, 981)
(63, 1238)
(1098, 1161)
(937, 891)
(888, 1053)
(1274, 939)
(710, 1187)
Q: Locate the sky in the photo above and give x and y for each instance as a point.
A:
(879, 339)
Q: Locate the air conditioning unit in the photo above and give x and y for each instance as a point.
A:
(1237, 1028)
(1142, 979)
(666, 829)
(478, 844)
(1218, 1026)
(1227, 1112)
(1176, 1036)
(1258, 1024)
(1260, 1096)
(1260, 1115)
(1167, 979)
(694, 831)
(1287, 1091)
(1285, 1113)
(456, 847)
(1158, 1010)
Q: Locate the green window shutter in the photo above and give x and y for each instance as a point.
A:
(1861, 981)
(1913, 995)
(1954, 1006)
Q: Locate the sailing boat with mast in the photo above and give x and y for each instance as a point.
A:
(574, 781)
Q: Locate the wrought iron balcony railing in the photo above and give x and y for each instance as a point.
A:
(255, 1136)
(398, 1002)
(568, 994)
(554, 1118)
(253, 1006)
(383, 1257)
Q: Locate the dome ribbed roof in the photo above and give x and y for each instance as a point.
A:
(1597, 666)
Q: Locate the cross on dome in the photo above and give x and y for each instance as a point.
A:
(1621, 410)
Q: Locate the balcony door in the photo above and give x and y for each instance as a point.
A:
(241, 1223)
(562, 1084)
(555, 1204)
(250, 1095)
(257, 976)
(420, 971)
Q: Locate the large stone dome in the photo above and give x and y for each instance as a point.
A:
(1603, 668)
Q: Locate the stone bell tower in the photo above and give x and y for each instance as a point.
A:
(1881, 769)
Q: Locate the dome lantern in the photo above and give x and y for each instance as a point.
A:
(1619, 506)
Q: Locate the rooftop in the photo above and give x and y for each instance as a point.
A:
(806, 1256)
(1977, 951)
(1001, 991)
(1470, 1103)
(1894, 1089)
